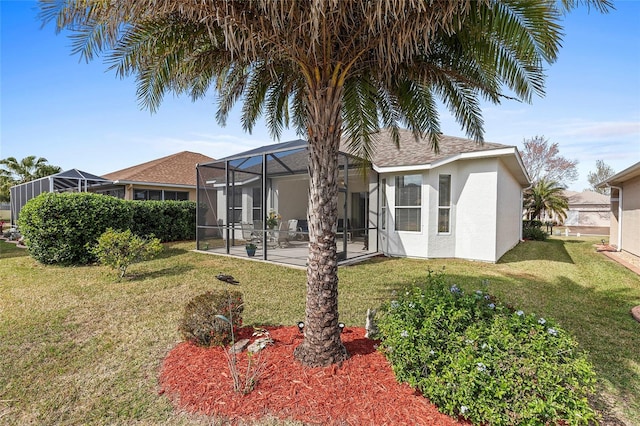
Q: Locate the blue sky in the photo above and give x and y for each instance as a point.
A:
(82, 116)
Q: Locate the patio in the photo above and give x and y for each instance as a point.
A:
(261, 196)
(292, 254)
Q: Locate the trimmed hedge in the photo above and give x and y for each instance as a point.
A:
(57, 227)
(60, 227)
(166, 220)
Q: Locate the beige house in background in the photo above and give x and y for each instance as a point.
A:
(625, 209)
(587, 208)
(168, 178)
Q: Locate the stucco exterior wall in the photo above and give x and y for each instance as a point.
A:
(484, 218)
(476, 210)
(441, 244)
(404, 243)
(631, 216)
(293, 197)
(509, 212)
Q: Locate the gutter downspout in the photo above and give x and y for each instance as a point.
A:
(619, 188)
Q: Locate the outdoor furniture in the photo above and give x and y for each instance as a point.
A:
(279, 238)
(341, 231)
(249, 235)
(295, 232)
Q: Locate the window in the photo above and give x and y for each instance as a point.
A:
(235, 204)
(147, 194)
(117, 193)
(158, 195)
(383, 204)
(444, 204)
(176, 195)
(257, 203)
(408, 202)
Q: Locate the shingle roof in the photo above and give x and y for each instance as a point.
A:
(586, 197)
(414, 153)
(625, 175)
(177, 169)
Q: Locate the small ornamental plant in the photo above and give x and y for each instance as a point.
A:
(210, 318)
(273, 219)
(476, 358)
(119, 249)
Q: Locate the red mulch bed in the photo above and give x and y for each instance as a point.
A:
(361, 391)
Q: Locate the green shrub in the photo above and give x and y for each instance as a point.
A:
(119, 249)
(58, 227)
(531, 224)
(473, 357)
(167, 220)
(536, 234)
(200, 323)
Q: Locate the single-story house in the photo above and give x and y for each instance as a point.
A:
(168, 178)
(464, 201)
(624, 231)
(73, 180)
(587, 208)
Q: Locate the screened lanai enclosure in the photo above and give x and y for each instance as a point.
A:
(73, 180)
(261, 197)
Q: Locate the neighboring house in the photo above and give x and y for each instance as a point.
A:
(463, 202)
(587, 208)
(168, 178)
(624, 232)
(73, 180)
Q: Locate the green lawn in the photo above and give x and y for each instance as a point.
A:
(78, 347)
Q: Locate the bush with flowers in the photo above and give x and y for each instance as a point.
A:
(478, 359)
(273, 219)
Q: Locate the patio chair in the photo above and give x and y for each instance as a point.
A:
(248, 233)
(279, 238)
(294, 230)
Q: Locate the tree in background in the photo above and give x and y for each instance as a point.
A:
(14, 172)
(337, 70)
(543, 161)
(546, 197)
(602, 173)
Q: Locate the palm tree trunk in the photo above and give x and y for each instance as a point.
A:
(322, 344)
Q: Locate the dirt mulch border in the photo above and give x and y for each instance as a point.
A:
(360, 391)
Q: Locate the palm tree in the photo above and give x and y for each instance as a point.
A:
(16, 172)
(334, 69)
(546, 197)
(28, 169)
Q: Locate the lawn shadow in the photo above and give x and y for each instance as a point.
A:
(551, 250)
(9, 250)
(599, 320)
(172, 271)
(170, 252)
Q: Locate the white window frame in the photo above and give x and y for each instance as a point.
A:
(444, 205)
(383, 204)
(417, 206)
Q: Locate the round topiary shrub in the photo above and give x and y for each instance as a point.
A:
(201, 322)
(475, 358)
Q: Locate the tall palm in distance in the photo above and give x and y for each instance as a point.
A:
(335, 70)
(14, 172)
(546, 197)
